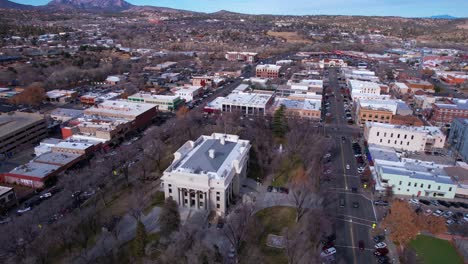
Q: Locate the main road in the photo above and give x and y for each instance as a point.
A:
(352, 224)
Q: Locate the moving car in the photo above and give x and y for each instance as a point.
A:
(347, 166)
(23, 210)
(381, 203)
(45, 195)
(361, 245)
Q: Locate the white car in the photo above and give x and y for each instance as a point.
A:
(414, 201)
(465, 218)
(380, 245)
(450, 222)
(328, 252)
(448, 214)
(347, 166)
(23, 210)
(428, 212)
(438, 212)
(45, 195)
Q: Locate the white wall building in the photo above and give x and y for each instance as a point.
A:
(206, 174)
(408, 176)
(363, 87)
(188, 93)
(407, 138)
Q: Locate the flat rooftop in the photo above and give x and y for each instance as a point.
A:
(56, 158)
(120, 107)
(430, 130)
(195, 156)
(14, 121)
(4, 190)
(35, 169)
(415, 171)
(390, 105)
(268, 67)
(247, 99)
(65, 112)
(383, 153)
(78, 145)
(306, 104)
(154, 96)
(359, 85)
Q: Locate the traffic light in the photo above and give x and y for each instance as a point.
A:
(374, 225)
(365, 185)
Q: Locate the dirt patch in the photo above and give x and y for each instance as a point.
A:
(291, 37)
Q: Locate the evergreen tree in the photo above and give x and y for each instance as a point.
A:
(169, 220)
(139, 242)
(279, 122)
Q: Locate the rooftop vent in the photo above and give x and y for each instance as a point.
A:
(211, 153)
(222, 140)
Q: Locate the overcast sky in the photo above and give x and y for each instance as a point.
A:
(406, 8)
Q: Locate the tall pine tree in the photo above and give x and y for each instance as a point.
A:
(139, 242)
(279, 125)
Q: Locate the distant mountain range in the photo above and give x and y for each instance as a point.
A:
(118, 6)
(91, 5)
(443, 17)
(5, 4)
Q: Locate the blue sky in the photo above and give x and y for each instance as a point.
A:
(406, 8)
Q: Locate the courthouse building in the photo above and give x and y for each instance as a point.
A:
(206, 174)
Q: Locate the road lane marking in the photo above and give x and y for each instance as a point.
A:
(350, 216)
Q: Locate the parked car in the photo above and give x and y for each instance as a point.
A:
(347, 166)
(448, 214)
(283, 190)
(381, 245)
(450, 222)
(379, 238)
(381, 252)
(45, 195)
(328, 252)
(414, 201)
(5, 220)
(355, 204)
(428, 212)
(383, 260)
(23, 210)
(270, 188)
(444, 203)
(426, 202)
(438, 212)
(434, 203)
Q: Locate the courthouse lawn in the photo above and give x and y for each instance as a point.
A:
(432, 250)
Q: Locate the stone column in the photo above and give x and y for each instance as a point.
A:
(178, 194)
(197, 201)
(206, 202)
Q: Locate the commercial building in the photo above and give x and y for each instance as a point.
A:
(94, 98)
(206, 174)
(409, 176)
(163, 102)
(380, 111)
(61, 96)
(459, 175)
(306, 109)
(208, 81)
(406, 120)
(249, 57)
(32, 174)
(18, 129)
(46, 145)
(400, 87)
(267, 71)
(188, 93)
(444, 114)
(406, 138)
(325, 63)
(420, 85)
(458, 137)
(64, 114)
(7, 198)
(359, 88)
(247, 103)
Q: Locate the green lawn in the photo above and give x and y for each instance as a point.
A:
(435, 251)
(274, 220)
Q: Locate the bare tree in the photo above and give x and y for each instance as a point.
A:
(237, 226)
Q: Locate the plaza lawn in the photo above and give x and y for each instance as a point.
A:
(274, 220)
(434, 251)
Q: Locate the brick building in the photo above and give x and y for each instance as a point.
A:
(267, 71)
(444, 114)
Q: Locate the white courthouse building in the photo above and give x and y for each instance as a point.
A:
(206, 174)
(406, 138)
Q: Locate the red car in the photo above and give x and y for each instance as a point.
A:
(381, 252)
(361, 245)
